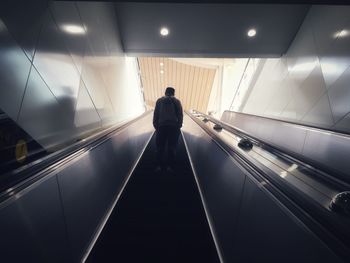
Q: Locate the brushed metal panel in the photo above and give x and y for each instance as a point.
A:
(41, 115)
(91, 14)
(326, 21)
(329, 149)
(85, 111)
(309, 92)
(14, 73)
(86, 194)
(268, 232)
(56, 66)
(339, 96)
(66, 13)
(90, 185)
(97, 90)
(32, 226)
(343, 124)
(321, 114)
(24, 22)
(221, 182)
(302, 54)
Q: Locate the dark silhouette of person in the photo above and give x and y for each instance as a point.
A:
(167, 120)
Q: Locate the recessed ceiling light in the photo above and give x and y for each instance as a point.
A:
(161, 64)
(251, 32)
(73, 29)
(162, 72)
(164, 31)
(343, 33)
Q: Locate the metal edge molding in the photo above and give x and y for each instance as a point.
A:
(109, 212)
(212, 230)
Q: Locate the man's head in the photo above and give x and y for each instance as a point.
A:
(169, 91)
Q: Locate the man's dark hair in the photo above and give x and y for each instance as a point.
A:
(170, 91)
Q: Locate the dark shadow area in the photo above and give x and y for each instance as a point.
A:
(158, 218)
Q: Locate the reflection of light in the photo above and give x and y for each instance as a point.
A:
(164, 31)
(251, 32)
(2, 26)
(73, 29)
(162, 72)
(307, 66)
(161, 64)
(342, 33)
(292, 167)
(283, 174)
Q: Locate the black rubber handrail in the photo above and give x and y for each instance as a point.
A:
(27, 175)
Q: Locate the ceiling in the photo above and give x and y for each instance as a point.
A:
(192, 83)
(209, 29)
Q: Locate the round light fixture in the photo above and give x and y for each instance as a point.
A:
(251, 32)
(161, 64)
(164, 31)
(162, 72)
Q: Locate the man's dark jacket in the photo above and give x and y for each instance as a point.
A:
(168, 112)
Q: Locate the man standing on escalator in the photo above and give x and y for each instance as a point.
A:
(167, 120)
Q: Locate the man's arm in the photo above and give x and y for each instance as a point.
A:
(156, 115)
(180, 113)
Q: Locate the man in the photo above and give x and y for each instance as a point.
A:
(167, 120)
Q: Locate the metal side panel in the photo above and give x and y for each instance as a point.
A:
(32, 226)
(221, 183)
(268, 232)
(90, 185)
(249, 224)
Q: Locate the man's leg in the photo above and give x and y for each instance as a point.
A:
(160, 145)
(173, 138)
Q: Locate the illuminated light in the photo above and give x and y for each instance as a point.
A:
(343, 33)
(292, 167)
(283, 174)
(162, 72)
(251, 32)
(161, 64)
(164, 31)
(73, 29)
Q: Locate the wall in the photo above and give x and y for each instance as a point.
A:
(310, 83)
(63, 69)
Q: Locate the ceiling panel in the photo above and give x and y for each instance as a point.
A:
(208, 30)
(192, 83)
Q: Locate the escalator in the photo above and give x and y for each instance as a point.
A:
(105, 202)
(158, 218)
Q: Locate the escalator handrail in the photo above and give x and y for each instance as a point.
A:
(321, 171)
(308, 211)
(30, 173)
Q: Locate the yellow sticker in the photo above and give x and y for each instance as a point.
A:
(21, 151)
